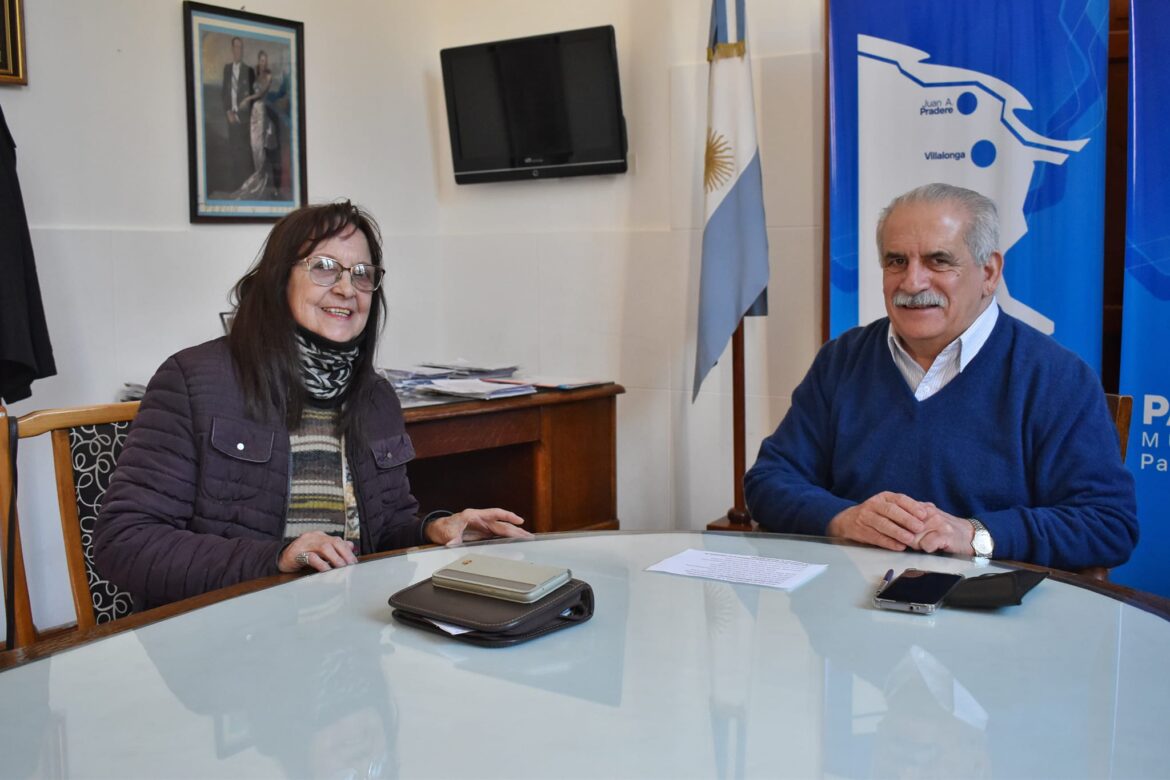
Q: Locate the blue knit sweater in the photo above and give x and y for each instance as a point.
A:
(1021, 440)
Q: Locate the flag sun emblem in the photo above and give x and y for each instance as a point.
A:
(719, 162)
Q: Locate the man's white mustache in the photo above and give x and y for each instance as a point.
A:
(920, 300)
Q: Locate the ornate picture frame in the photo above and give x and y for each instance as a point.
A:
(12, 64)
(245, 114)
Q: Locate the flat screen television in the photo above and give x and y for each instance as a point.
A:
(538, 107)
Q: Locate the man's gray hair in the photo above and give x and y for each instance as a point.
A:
(982, 237)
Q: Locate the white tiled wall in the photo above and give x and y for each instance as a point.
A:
(593, 276)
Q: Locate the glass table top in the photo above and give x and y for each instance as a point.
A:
(673, 677)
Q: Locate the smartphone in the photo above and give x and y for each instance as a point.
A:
(917, 591)
(501, 578)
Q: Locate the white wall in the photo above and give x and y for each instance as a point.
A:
(594, 276)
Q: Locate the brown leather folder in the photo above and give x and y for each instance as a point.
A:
(493, 622)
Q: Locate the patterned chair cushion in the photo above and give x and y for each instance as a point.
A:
(95, 450)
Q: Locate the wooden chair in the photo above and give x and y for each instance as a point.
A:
(86, 442)
(1120, 410)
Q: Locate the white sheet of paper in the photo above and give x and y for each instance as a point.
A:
(746, 569)
(451, 628)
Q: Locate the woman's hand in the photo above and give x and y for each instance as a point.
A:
(472, 525)
(315, 550)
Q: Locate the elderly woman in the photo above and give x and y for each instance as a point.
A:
(277, 448)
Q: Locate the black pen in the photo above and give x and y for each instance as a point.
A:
(885, 581)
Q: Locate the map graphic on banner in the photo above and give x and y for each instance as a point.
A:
(1000, 96)
(925, 122)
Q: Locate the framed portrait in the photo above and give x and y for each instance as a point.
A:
(245, 114)
(12, 68)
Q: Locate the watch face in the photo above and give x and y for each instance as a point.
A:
(982, 543)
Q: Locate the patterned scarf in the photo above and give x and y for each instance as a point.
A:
(326, 366)
(321, 489)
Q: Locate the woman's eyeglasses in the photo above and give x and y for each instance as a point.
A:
(326, 272)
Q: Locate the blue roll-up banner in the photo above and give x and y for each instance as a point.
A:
(1145, 363)
(1003, 97)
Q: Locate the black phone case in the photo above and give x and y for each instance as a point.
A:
(991, 591)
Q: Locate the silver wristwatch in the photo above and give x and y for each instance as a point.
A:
(983, 543)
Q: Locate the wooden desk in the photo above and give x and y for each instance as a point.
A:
(550, 457)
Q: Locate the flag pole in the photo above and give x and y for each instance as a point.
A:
(734, 274)
(738, 514)
(737, 518)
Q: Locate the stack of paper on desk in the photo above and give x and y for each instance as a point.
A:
(475, 388)
(551, 382)
(413, 375)
(461, 367)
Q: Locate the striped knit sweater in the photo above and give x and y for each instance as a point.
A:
(322, 497)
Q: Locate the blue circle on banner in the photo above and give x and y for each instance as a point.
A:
(983, 153)
(967, 103)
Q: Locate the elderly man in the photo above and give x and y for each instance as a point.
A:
(949, 426)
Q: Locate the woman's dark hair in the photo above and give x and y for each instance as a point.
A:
(263, 334)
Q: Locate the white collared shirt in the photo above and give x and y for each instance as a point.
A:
(950, 362)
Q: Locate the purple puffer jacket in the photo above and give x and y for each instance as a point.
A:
(199, 497)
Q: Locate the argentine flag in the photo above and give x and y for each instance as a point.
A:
(734, 280)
